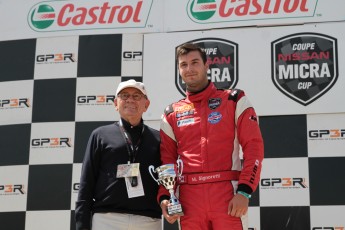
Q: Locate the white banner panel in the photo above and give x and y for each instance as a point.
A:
(253, 218)
(281, 186)
(52, 142)
(153, 124)
(327, 217)
(95, 99)
(75, 184)
(13, 188)
(283, 70)
(326, 135)
(16, 102)
(132, 55)
(56, 57)
(35, 18)
(207, 14)
(53, 220)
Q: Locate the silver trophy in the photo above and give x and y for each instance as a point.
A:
(167, 177)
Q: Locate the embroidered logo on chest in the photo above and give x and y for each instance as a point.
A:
(185, 122)
(183, 108)
(185, 113)
(214, 117)
(214, 103)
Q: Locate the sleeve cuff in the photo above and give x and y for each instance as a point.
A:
(163, 197)
(244, 188)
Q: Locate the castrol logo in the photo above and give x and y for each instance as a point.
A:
(51, 16)
(213, 11)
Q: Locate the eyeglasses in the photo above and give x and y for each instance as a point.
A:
(136, 96)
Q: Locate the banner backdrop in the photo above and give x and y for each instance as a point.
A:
(57, 86)
(284, 70)
(47, 115)
(53, 93)
(207, 14)
(38, 18)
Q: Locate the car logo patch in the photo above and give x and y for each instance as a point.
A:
(214, 117)
(214, 103)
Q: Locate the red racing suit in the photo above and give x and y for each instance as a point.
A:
(206, 131)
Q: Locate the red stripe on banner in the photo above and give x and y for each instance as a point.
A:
(47, 16)
(202, 7)
(209, 7)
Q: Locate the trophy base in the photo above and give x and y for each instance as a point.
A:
(175, 209)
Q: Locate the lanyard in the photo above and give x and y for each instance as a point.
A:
(132, 149)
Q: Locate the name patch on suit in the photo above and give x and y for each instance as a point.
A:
(185, 122)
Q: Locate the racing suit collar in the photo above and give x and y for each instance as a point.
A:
(203, 94)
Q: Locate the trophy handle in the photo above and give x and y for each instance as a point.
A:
(179, 167)
(152, 169)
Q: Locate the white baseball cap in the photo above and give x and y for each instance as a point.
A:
(131, 84)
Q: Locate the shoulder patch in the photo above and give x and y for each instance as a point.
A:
(233, 95)
(169, 109)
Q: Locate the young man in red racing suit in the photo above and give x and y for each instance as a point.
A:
(205, 130)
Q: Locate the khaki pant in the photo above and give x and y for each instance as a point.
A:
(119, 221)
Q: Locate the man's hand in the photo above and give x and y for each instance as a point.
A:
(238, 206)
(170, 218)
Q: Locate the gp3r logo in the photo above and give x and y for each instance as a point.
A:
(60, 57)
(327, 133)
(97, 99)
(15, 103)
(132, 54)
(12, 189)
(51, 142)
(283, 182)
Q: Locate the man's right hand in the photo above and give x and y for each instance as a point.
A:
(170, 218)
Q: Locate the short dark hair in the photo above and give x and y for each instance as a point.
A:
(188, 47)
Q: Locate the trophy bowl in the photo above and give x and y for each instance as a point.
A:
(167, 177)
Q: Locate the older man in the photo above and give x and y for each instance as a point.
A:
(116, 190)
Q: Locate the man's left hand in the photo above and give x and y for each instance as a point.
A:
(238, 206)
